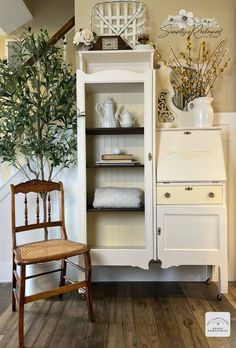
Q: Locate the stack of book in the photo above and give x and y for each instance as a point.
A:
(107, 159)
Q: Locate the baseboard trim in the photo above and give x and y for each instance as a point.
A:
(154, 273)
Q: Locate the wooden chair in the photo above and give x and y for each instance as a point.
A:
(45, 250)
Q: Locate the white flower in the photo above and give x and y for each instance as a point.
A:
(197, 21)
(185, 19)
(77, 38)
(171, 20)
(84, 36)
(209, 22)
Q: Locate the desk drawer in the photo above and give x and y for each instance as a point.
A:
(189, 194)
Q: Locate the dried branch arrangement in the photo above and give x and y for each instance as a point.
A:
(194, 72)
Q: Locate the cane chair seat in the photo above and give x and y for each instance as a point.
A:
(49, 250)
(42, 205)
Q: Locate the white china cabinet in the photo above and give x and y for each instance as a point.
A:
(191, 202)
(116, 236)
(181, 172)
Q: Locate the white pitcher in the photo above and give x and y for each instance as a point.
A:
(126, 119)
(201, 111)
(108, 117)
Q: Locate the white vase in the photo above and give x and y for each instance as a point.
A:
(201, 111)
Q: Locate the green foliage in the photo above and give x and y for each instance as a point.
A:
(37, 107)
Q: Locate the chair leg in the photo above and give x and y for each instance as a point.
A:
(63, 273)
(21, 307)
(88, 276)
(13, 302)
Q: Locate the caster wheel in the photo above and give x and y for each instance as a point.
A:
(219, 297)
(208, 281)
(83, 296)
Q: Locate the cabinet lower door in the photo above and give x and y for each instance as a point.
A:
(191, 235)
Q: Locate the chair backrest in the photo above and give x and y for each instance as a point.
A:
(42, 190)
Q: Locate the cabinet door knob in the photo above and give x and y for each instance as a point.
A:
(149, 156)
(211, 194)
(188, 188)
(167, 195)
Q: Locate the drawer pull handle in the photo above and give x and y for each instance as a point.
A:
(188, 188)
(167, 195)
(211, 195)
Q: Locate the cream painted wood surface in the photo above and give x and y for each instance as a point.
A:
(130, 95)
(190, 155)
(191, 235)
(119, 230)
(192, 218)
(116, 238)
(189, 194)
(116, 60)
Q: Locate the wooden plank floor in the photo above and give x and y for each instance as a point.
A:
(127, 315)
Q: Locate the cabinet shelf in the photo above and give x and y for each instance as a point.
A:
(119, 165)
(91, 209)
(118, 236)
(115, 130)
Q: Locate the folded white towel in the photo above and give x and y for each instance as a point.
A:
(118, 197)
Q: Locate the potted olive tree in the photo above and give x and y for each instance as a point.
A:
(37, 108)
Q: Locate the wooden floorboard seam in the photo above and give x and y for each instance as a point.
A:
(127, 315)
